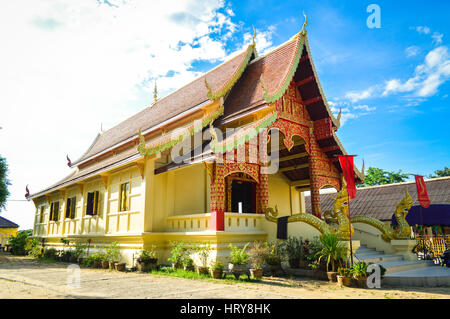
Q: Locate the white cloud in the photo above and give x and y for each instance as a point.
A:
(364, 108)
(412, 51)
(437, 37)
(355, 96)
(68, 66)
(428, 76)
(423, 29)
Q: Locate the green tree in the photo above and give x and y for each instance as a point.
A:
(4, 183)
(440, 173)
(378, 176)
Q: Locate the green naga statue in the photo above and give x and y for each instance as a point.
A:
(387, 233)
(339, 216)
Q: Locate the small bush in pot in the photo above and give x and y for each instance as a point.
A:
(113, 253)
(104, 260)
(344, 276)
(293, 250)
(333, 251)
(177, 253)
(147, 259)
(203, 251)
(217, 270)
(275, 256)
(78, 252)
(238, 260)
(257, 255)
(188, 263)
(359, 271)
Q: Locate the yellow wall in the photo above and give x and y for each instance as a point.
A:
(189, 187)
(5, 233)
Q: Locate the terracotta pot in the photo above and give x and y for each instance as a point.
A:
(361, 282)
(344, 281)
(237, 270)
(105, 264)
(97, 264)
(202, 270)
(120, 266)
(146, 266)
(332, 276)
(189, 268)
(112, 265)
(256, 273)
(177, 266)
(294, 263)
(217, 273)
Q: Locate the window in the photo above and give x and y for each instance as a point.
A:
(92, 203)
(54, 211)
(41, 215)
(70, 207)
(124, 197)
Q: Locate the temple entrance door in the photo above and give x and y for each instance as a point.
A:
(243, 197)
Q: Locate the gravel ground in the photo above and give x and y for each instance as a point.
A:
(22, 277)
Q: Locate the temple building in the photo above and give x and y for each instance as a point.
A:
(142, 182)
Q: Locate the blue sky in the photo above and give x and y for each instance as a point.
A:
(400, 130)
(72, 67)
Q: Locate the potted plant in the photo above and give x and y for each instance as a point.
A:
(177, 253)
(104, 260)
(274, 256)
(188, 263)
(147, 259)
(238, 260)
(120, 266)
(293, 249)
(334, 251)
(203, 253)
(344, 277)
(257, 255)
(217, 270)
(97, 260)
(359, 271)
(113, 253)
(78, 252)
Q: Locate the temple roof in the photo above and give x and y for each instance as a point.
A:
(5, 223)
(380, 201)
(245, 82)
(220, 80)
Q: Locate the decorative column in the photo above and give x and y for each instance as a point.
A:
(314, 173)
(217, 221)
(262, 194)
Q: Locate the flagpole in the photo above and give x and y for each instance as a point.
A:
(350, 231)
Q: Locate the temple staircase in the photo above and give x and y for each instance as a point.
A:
(400, 272)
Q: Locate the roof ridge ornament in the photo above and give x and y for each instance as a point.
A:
(210, 93)
(254, 36)
(155, 94)
(338, 119)
(303, 31)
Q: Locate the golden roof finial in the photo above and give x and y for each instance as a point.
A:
(155, 93)
(254, 36)
(304, 24)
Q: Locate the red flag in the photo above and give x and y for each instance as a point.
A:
(346, 162)
(422, 194)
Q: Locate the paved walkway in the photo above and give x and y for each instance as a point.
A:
(22, 277)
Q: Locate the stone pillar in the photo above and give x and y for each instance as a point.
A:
(217, 221)
(314, 173)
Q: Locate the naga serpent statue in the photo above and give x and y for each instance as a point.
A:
(388, 234)
(339, 213)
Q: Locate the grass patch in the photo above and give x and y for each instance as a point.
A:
(181, 273)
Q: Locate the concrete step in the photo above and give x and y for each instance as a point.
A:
(404, 265)
(378, 258)
(434, 276)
